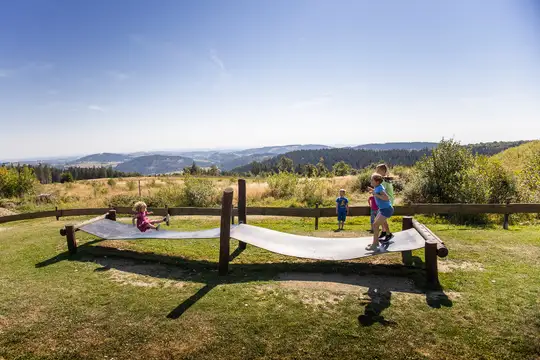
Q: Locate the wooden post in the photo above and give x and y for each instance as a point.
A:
(111, 215)
(139, 187)
(432, 274)
(242, 211)
(506, 218)
(316, 218)
(406, 256)
(225, 231)
(232, 216)
(56, 210)
(71, 240)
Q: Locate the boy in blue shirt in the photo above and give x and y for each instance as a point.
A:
(342, 209)
(386, 210)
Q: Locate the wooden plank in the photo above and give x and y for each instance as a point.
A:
(225, 231)
(406, 256)
(27, 216)
(80, 212)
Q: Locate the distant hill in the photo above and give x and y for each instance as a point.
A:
(155, 164)
(278, 150)
(103, 158)
(244, 160)
(398, 146)
(494, 147)
(515, 158)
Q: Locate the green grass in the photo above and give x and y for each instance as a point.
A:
(164, 300)
(516, 158)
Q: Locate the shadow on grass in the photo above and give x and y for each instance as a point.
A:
(381, 279)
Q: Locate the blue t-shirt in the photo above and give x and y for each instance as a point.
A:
(382, 204)
(342, 203)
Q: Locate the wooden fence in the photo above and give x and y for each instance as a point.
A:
(410, 210)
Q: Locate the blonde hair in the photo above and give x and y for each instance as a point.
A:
(377, 177)
(340, 190)
(383, 168)
(139, 206)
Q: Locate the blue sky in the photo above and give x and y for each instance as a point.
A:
(93, 76)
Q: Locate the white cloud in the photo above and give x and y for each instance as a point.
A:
(96, 108)
(216, 60)
(31, 67)
(118, 76)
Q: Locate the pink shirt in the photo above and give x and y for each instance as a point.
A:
(143, 221)
(372, 203)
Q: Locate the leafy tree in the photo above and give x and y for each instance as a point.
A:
(321, 167)
(310, 170)
(285, 164)
(66, 177)
(341, 168)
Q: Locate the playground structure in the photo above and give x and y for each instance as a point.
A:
(412, 237)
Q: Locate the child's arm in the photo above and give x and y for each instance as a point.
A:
(382, 195)
(347, 206)
(337, 208)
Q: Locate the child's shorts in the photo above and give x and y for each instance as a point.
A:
(342, 216)
(387, 212)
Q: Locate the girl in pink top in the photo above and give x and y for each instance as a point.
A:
(374, 209)
(143, 222)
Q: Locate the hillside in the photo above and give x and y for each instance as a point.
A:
(155, 164)
(278, 150)
(103, 158)
(356, 158)
(515, 158)
(397, 146)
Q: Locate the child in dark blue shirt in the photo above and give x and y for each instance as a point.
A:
(342, 209)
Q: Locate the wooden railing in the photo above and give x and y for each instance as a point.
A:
(410, 210)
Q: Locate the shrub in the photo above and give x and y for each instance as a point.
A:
(529, 180)
(282, 185)
(17, 181)
(66, 177)
(171, 195)
(130, 185)
(198, 192)
(363, 181)
(313, 191)
(341, 168)
(111, 182)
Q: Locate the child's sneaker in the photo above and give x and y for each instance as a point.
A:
(372, 247)
(388, 237)
(382, 235)
(167, 219)
(157, 227)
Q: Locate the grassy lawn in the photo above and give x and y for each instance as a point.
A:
(164, 300)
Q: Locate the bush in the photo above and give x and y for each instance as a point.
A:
(313, 191)
(122, 200)
(341, 168)
(66, 177)
(130, 185)
(529, 180)
(282, 185)
(363, 181)
(111, 182)
(17, 181)
(199, 192)
(171, 195)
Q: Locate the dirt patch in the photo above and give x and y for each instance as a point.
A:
(346, 283)
(446, 266)
(129, 272)
(6, 212)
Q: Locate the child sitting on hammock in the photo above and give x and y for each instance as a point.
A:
(143, 222)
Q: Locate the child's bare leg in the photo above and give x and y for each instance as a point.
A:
(152, 226)
(385, 226)
(379, 221)
(155, 221)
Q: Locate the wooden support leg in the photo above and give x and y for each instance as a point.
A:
(316, 218)
(242, 207)
(432, 274)
(406, 256)
(71, 240)
(225, 231)
(111, 215)
(506, 221)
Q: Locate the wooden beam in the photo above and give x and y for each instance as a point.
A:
(111, 215)
(242, 205)
(428, 235)
(406, 256)
(317, 217)
(27, 216)
(225, 231)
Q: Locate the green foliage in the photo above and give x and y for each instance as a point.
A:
(309, 170)
(17, 181)
(66, 177)
(363, 181)
(529, 179)
(199, 192)
(282, 185)
(313, 191)
(130, 185)
(341, 168)
(111, 182)
(171, 195)
(285, 164)
(322, 170)
(99, 189)
(122, 200)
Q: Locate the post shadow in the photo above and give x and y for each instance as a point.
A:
(189, 302)
(236, 252)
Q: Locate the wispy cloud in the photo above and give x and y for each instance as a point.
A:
(118, 76)
(31, 67)
(96, 108)
(216, 60)
(313, 102)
